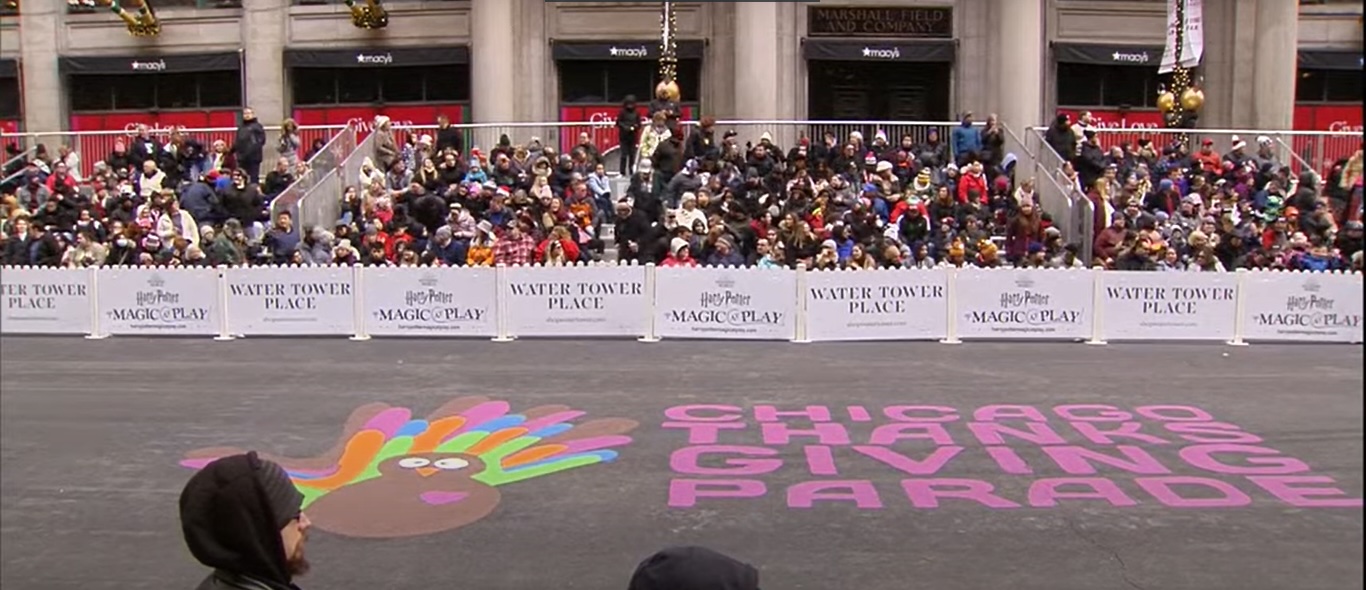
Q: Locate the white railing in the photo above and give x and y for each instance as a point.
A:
(96, 146)
(649, 303)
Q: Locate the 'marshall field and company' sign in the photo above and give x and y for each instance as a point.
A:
(921, 22)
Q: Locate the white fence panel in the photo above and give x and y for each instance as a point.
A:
(1316, 307)
(290, 300)
(576, 301)
(39, 300)
(886, 304)
(726, 303)
(1168, 305)
(159, 301)
(413, 301)
(1024, 303)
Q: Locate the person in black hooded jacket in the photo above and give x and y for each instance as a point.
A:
(242, 516)
(693, 568)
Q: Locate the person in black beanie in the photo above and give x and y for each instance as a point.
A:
(693, 568)
(242, 516)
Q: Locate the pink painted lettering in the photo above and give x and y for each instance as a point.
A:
(1081, 461)
(772, 414)
(1175, 413)
(915, 413)
(1045, 493)
(687, 460)
(704, 433)
(991, 433)
(684, 493)
(827, 433)
(925, 493)
(929, 466)
(1288, 490)
(1009, 461)
(1129, 430)
(1091, 413)
(1213, 432)
(888, 434)
(1002, 412)
(1258, 459)
(859, 414)
(1164, 489)
(860, 492)
(820, 460)
(704, 413)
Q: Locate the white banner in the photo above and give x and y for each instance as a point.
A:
(1169, 56)
(1193, 45)
(1168, 305)
(876, 305)
(725, 303)
(157, 301)
(1320, 307)
(289, 301)
(1024, 303)
(576, 301)
(44, 300)
(413, 301)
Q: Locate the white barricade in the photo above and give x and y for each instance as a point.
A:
(700, 303)
(599, 300)
(876, 305)
(1169, 305)
(414, 301)
(1024, 303)
(1317, 307)
(290, 300)
(725, 303)
(41, 300)
(158, 301)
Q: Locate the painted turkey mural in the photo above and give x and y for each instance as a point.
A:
(392, 475)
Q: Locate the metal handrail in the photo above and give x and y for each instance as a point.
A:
(22, 156)
(1197, 131)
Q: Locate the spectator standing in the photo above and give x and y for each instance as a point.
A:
(249, 145)
(386, 147)
(143, 149)
(448, 136)
(967, 141)
(289, 142)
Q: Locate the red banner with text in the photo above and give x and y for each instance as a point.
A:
(604, 128)
(93, 135)
(400, 117)
(1117, 119)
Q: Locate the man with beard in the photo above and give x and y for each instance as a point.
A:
(242, 516)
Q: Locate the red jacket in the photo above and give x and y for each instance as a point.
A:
(968, 182)
(571, 250)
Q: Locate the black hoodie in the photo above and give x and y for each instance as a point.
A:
(229, 526)
(693, 568)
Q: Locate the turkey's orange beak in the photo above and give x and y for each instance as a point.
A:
(426, 471)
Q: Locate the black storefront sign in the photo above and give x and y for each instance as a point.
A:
(621, 50)
(1330, 60)
(929, 51)
(1108, 55)
(151, 64)
(369, 57)
(903, 23)
(9, 68)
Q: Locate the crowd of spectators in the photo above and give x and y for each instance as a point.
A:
(1166, 207)
(695, 195)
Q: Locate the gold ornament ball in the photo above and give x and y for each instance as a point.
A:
(1192, 99)
(1166, 101)
(668, 91)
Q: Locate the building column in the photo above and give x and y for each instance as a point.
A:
(1273, 94)
(756, 61)
(40, 27)
(492, 67)
(264, 30)
(1020, 53)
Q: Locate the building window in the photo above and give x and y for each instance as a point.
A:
(9, 98)
(398, 85)
(1316, 86)
(1085, 85)
(609, 82)
(146, 92)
